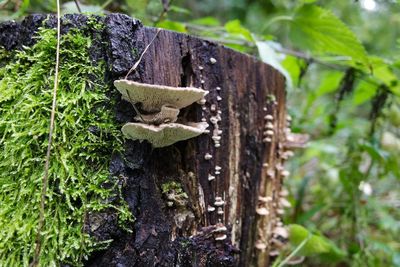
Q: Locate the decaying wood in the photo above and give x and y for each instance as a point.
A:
(232, 175)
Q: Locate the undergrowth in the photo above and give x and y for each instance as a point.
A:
(84, 140)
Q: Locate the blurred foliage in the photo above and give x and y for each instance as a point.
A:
(341, 61)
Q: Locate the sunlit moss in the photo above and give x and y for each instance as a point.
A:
(84, 140)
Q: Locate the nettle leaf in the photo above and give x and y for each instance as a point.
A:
(320, 31)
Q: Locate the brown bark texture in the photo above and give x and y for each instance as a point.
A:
(238, 185)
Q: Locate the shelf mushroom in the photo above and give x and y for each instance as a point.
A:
(164, 134)
(153, 96)
(163, 103)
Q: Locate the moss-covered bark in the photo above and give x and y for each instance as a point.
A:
(80, 185)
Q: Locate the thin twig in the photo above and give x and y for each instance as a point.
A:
(308, 58)
(164, 12)
(3, 4)
(141, 56)
(78, 6)
(105, 5)
(134, 107)
(45, 179)
(134, 68)
(294, 252)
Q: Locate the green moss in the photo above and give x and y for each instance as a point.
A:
(174, 193)
(172, 186)
(84, 140)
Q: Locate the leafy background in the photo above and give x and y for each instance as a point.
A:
(341, 62)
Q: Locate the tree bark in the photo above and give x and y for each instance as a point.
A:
(249, 97)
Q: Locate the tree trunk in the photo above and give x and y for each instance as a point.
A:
(175, 228)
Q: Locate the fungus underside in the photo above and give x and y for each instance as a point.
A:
(85, 137)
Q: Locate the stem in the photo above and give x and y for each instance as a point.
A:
(103, 6)
(163, 13)
(294, 252)
(277, 19)
(78, 6)
(45, 179)
(134, 68)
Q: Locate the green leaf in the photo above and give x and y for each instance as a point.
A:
(234, 27)
(172, 25)
(206, 21)
(393, 115)
(330, 82)
(307, 1)
(293, 66)
(383, 72)
(273, 58)
(320, 31)
(180, 10)
(364, 91)
(316, 244)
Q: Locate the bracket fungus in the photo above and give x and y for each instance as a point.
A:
(153, 96)
(163, 103)
(164, 134)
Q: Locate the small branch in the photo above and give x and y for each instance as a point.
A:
(230, 41)
(105, 5)
(78, 6)
(276, 19)
(309, 58)
(134, 68)
(166, 6)
(4, 4)
(141, 56)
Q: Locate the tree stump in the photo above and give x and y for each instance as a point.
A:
(182, 196)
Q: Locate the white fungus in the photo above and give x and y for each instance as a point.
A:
(153, 96)
(164, 134)
(208, 156)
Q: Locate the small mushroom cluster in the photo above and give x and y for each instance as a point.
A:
(267, 208)
(280, 234)
(162, 104)
(262, 208)
(220, 232)
(279, 238)
(215, 119)
(268, 132)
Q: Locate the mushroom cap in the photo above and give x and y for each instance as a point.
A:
(153, 96)
(164, 134)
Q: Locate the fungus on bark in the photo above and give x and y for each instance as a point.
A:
(163, 102)
(164, 134)
(153, 96)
